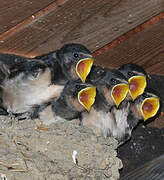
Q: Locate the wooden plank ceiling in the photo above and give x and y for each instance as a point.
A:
(145, 48)
(13, 12)
(31, 28)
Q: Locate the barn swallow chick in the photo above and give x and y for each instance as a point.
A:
(26, 85)
(137, 78)
(75, 98)
(147, 105)
(76, 61)
(101, 76)
(112, 89)
(130, 113)
(11, 61)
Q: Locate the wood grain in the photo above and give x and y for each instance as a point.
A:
(130, 33)
(13, 12)
(93, 23)
(31, 19)
(145, 48)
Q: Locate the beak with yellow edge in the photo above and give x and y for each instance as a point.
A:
(83, 68)
(137, 85)
(150, 107)
(119, 93)
(86, 97)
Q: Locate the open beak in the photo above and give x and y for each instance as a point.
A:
(119, 93)
(83, 68)
(87, 96)
(137, 85)
(150, 107)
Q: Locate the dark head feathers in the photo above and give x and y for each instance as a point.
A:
(74, 87)
(131, 69)
(111, 77)
(73, 48)
(71, 53)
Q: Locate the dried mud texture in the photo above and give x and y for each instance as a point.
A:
(29, 150)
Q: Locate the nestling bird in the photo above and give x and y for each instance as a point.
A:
(75, 60)
(29, 82)
(137, 78)
(112, 88)
(71, 62)
(117, 121)
(27, 85)
(75, 98)
(130, 113)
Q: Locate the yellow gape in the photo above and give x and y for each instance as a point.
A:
(150, 107)
(137, 85)
(87, 96)
(83, 68)
(119, 93)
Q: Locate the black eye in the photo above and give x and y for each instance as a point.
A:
(113, 81)
(75, 55)
(131, 74)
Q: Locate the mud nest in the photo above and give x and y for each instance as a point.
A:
(30, 150)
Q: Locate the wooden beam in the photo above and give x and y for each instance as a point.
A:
(31, 19)
(93, 23)
(145, 48)
(13, 12)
